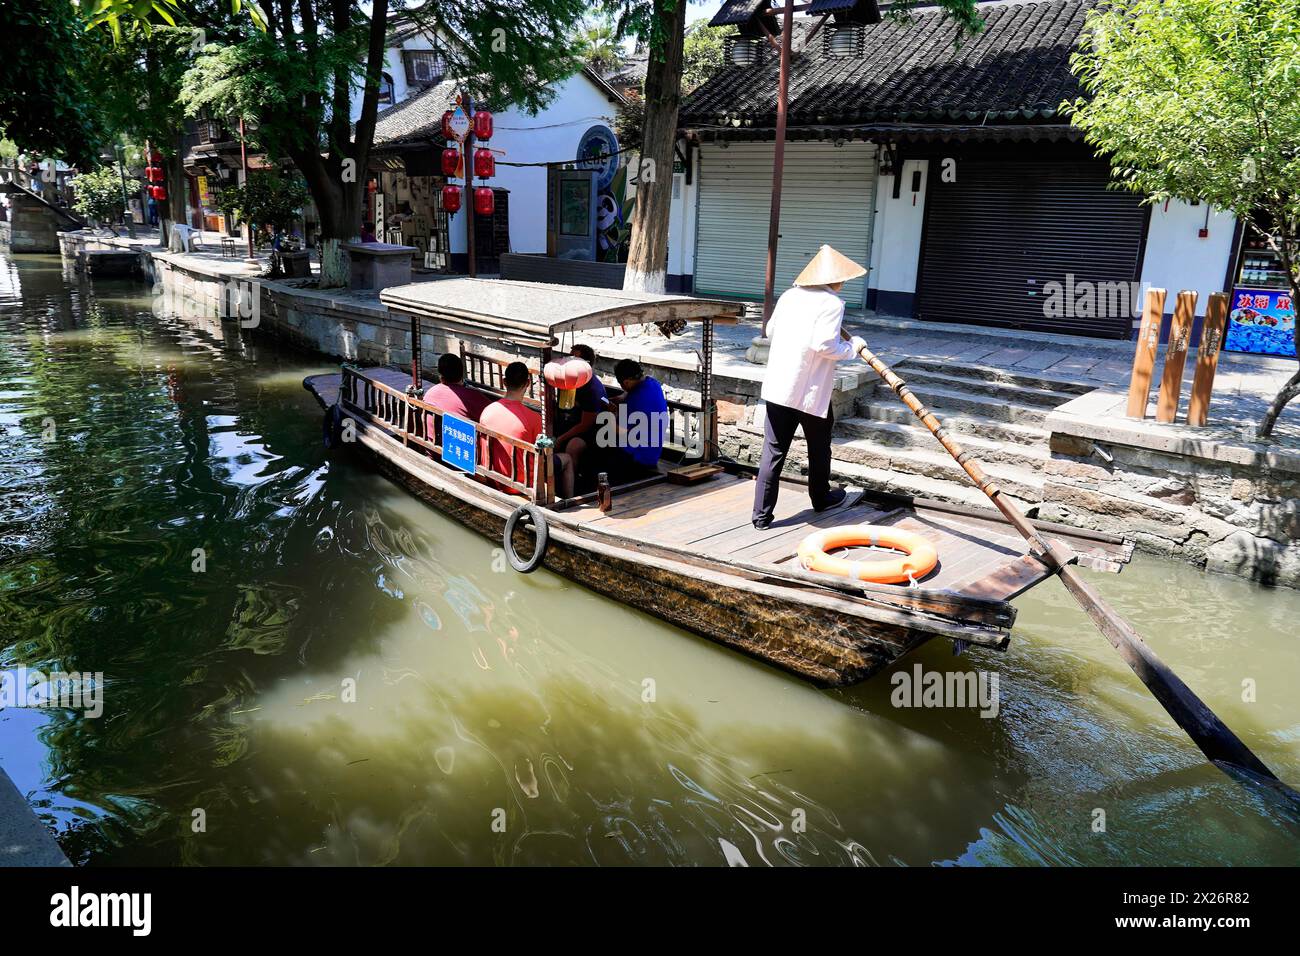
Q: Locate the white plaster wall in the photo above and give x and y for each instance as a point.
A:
(682, 219)
(394, 68)
(896, 232)
(1177, 258)
(550, 136)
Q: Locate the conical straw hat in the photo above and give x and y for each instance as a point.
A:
(829, 266)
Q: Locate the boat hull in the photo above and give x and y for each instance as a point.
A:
(815, 639)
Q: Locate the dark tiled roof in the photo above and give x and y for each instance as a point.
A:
(736, 12)
(417, 117)
(1016, 69)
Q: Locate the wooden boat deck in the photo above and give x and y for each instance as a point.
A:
(976, 557)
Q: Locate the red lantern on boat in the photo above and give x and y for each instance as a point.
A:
(566, 376)
(485, 164)
(483, 125)
(451, 198)
(446, 126)
(451, 161)
(485, 201)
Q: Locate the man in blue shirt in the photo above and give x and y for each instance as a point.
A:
(642, 420)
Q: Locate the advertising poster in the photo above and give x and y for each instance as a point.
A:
(1261, 321)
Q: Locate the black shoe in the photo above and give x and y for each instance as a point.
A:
(762, 524)
(835, 497)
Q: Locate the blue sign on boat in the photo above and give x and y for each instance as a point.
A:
(459, 443)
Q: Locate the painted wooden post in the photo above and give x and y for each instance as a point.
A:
(1171, 381)
(1207, 359)
(1144, 358)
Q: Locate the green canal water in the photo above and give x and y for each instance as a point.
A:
(508, 719)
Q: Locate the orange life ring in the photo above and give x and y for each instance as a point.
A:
(918, 560)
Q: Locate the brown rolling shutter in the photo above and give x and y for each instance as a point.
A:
(997, 236)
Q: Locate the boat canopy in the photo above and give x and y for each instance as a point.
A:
(534, 313)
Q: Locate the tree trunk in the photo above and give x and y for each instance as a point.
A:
(647, 260)
(1291, 389)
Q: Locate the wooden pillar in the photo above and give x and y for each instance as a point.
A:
(1207, 359)
(1171, 381)
(1144, 358)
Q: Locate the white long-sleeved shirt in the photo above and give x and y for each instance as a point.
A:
(805, 345)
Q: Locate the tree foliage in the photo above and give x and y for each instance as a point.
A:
(47, 103)
(99, 194)
(1200, 100)
(267, 198)
(702, 51)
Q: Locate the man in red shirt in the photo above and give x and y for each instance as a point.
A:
(451, 394)
(510, 416)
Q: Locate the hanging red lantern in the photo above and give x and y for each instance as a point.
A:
(155, 158)
(483, 125)
(154, 174)
(566, 375)
(446, 126)
(451, 161)
(485, 201)
(451, 198)
(485, 164)
(158, 192)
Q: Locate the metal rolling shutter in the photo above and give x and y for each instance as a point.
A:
(1005, 229)
(828, 196)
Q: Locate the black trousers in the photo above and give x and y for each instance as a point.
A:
(779, 432)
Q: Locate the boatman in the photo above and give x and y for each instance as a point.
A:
(805, 345)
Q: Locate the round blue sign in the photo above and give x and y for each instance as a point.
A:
(598, 150)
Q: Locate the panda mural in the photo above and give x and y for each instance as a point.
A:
(598, 151)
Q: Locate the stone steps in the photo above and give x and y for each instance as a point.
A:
(920, 486)
(1036, 381)
(959, 397)
(1024, 483)
(890, 409)
(1024, 447)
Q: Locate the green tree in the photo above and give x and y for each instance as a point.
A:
(46, 100)
(1200, 100)
(99, 194)
(598, 44)
(267, 198)
(296, 82)
(701, 53)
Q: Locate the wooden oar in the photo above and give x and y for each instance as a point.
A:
(1207, 731)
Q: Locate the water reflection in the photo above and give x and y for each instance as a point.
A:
(330, 672)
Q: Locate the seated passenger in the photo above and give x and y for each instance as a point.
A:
(633, 450)
(451, 394)
(577, 426)
(510, 416)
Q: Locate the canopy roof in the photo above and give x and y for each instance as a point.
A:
(532, 313)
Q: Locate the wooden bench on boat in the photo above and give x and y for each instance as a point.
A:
(688, 553)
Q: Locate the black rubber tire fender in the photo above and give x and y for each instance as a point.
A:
(542, 532)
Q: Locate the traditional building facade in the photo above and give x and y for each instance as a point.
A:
(948, 166)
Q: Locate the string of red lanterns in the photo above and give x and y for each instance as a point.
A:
(454, 159)
(155, 176)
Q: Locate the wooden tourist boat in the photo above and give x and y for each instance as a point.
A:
(680, 545)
